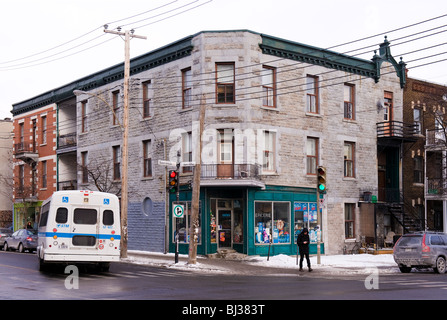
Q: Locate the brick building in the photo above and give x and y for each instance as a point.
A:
(424, 160)
(275, 110)
(5, 173)
(34, 171)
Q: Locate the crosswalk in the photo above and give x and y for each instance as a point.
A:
(128, 275)
(436, 281)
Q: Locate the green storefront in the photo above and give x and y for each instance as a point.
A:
(249, 220)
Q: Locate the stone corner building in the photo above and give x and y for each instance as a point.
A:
(275, 110)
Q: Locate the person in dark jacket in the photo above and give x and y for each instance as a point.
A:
(303, 246)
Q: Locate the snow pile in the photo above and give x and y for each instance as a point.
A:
(359, 263)
(333, 264)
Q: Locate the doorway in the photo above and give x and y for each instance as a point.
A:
(224, 220)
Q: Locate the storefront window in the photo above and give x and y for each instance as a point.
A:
(183, 224)
(306, 217)
(238, 222)
(277, 232)
(226, 222)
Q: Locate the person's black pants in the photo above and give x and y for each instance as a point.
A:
(302, 255)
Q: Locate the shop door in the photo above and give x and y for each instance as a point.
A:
(224, 230)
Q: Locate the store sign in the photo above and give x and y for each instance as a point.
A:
(178, 210)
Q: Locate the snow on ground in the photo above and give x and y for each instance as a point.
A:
(334, 264)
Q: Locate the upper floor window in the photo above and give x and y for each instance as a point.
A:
(225, 83)
(116, 107)
(187, 150)
(268, 86)
(268, 161)
(417, 119)
(312, 94)
(186, 88)
(349, 106)
(312, 155)
(349, 152)
(147, 159)
(84, 167)
(44, 130)
(147, 99)
(84, 116)
(116, 163)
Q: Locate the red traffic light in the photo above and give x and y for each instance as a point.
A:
(173, 174)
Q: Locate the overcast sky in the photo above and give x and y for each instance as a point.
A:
(49, 43)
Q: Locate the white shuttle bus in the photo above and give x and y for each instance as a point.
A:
(79, 227)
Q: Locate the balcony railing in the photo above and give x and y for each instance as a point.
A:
(436, 186)
(397, 130)
(231, 171)
(67, 185)
(67, 140)
(435, 138)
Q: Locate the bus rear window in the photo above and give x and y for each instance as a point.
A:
(85, 216)
(107, 217)
(61, 215)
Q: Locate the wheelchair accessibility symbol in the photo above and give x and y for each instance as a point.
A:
(106, 201)
(64, 199)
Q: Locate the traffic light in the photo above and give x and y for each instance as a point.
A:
(173, 181)
(321, 182)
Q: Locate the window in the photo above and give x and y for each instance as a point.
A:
(21, 178)
(84, 156)
(225, 83)
(147, 99)
(116, 163)
(44, 130)
(417, 116)
(418, 169)
(349, 220)
(187, 150)
(388, 106)
(272, 222)
(107, 218)
(349, 90)
(268, 87)
(312, 155)
(268, 154)
(85, 216)
(61, 215)
(306, 217)
(116, 107)
(44, 174)
(147, 159)
(349, 159)
(84, 116)
(312, 94)
(186, 88)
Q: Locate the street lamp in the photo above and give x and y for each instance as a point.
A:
(124, 198)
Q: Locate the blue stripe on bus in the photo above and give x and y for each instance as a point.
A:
(71, 235)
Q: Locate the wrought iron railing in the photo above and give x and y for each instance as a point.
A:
(230, 171)
(396, 129)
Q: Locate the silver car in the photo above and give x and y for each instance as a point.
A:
(21, 240)
(421, 250)
(4, 233)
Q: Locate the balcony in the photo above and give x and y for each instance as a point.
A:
(395, 132)
(247, 175)
(67, 185)
(26, 152)
(435, 139)
(66, 143)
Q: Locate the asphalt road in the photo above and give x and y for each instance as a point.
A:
(21, 280)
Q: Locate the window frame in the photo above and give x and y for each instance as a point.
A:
(266, 89)
(186, 88)
(349, 208)
(116, 150)
(351, 173)
(147, 99)
(349, 115)
(225, 85)
(147, 159)
(312, 92)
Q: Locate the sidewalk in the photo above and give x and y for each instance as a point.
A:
(279, 264)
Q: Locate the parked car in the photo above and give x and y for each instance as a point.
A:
(21, 240)
(4, 233)
(421, 250)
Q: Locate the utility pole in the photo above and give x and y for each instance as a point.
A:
(128, 35)
(194, 228)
